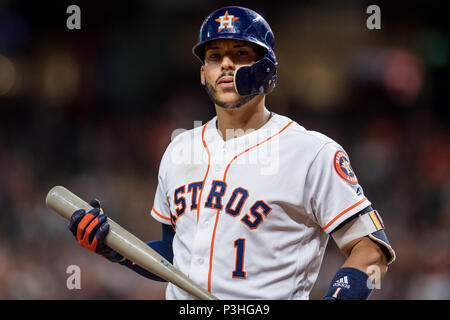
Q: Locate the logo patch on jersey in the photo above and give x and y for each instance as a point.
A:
(226, 21)
(343, 168)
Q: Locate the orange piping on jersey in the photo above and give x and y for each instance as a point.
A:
(218, 211)
(159, 214)
(346, 210)
(207, 171)
(256, 145)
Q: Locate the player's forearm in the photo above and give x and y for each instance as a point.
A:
(352, 280)
(366, 254)
(159, 246)
(163, 247)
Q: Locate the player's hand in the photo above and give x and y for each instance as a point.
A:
(90, 230)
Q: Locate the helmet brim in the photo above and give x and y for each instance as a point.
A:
(199, 49)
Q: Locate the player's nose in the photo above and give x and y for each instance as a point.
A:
(227, 63)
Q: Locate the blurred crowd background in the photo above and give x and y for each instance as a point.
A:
(94, 109)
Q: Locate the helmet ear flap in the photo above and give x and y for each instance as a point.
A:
(259, 78)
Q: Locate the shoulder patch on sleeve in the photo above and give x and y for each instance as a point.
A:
(343, 168)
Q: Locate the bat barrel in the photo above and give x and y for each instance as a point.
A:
(65, 203)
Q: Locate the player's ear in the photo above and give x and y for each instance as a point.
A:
(202, 75)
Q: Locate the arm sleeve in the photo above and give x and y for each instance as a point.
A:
(161, 209)
(333, 193)
(163, 247)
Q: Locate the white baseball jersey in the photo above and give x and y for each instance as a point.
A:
(253, 214)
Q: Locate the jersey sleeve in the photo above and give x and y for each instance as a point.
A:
(161, 210)
(332, 191)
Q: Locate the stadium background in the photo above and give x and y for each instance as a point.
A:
(93, 110)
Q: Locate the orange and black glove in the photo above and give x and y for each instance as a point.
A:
(90, 230)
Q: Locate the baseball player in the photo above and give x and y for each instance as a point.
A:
(247, 201)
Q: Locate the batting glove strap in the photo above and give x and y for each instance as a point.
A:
(349, 284)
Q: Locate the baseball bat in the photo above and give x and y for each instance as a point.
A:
(65, 203)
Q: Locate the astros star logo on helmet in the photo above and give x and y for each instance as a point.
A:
(226, 21)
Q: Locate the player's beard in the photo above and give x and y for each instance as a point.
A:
(212, 93)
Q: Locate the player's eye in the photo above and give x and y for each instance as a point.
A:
(213, 56)
(242, 53)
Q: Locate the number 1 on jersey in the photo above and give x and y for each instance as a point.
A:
(239, 272)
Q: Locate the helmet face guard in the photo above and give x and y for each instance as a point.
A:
(259, 78)
(243, 24)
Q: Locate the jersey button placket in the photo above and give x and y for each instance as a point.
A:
(202, 239)
(219, 162)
